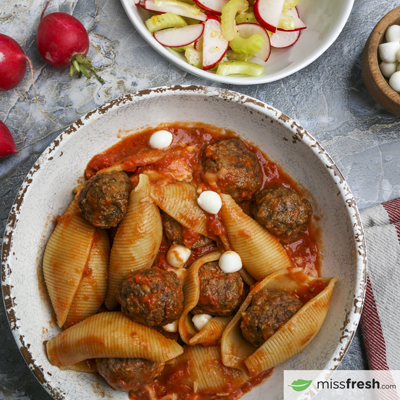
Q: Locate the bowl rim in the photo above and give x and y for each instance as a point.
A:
(352, 316)
(235, 80)
(375, 39)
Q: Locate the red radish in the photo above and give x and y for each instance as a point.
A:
(13, 67)
(249, 29)
(300, 25)
(7, 145)
(176, 7)
(179, 37)
(212, 6)
(64, 43)
(214, 43)
(12, 63)
(268, 13)
(282, 39)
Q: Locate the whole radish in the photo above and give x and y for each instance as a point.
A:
(12, 63)
(7, 145)
(64, 43)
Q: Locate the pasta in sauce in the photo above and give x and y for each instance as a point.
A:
(263, 218)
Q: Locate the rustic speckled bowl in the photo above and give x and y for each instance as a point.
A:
(46, 192)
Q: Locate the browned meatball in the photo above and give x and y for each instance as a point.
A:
(284, 212)
(174, 232)
(103, 200)
(220, 293)
(267, 312)
(128, 373)
(235, 168)
(152, 297)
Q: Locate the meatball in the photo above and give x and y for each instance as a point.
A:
(284, 212)
(269, 310)
(128, 373)
(220, 293)
(152, 297)
(103, 200)
(233, 167)
(174, 232)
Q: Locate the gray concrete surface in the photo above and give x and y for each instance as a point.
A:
(328, 98)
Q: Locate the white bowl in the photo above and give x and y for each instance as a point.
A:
(325, 20)
(46, 192)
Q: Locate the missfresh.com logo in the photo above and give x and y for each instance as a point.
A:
(354, 385)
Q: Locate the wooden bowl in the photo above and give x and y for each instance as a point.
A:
(375, 82)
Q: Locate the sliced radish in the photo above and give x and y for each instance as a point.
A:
(212, 6)
(136, 2)
(282, 39)
(248, 29)
(176, 7)
(300, 25)
(178, 37)
(214, 43)
(268, 13)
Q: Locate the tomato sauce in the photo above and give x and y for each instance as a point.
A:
(304, 252)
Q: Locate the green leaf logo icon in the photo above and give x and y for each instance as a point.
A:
(300, 385)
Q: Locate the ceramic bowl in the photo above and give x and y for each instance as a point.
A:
(46, 193)
(375, 82)
(325, 20)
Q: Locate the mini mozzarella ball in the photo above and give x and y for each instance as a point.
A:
(172, 327)
(388, 51)
(394, 81)
(230, 262)
(210, 201)
(160, 139)
(201, 320)
(388, 69)
(178, 255)
(398, 67)
(393, 33)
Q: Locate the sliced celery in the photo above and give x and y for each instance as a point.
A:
(287, 22)
(163, 21)
(194, 57)
(246, 17)
(240, 68)
(232, 56)
(288, 4)
(182, 49)
(229, 11)
(189, 2)
(250, 45)
(188, 10)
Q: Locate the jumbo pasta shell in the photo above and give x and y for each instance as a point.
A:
(65, 258)
(191, 291)
(137, 240)
(110, 335)
(261, 252)
(179, 200)
(291, 337)
(93, 287)
(211, 334)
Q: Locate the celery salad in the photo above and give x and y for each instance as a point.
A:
(224, 35)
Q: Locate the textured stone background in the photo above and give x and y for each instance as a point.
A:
(328, 98)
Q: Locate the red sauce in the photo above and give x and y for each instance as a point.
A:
(190, 237)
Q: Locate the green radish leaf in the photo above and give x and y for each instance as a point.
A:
(300, 385)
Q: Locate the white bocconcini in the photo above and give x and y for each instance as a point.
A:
(160, 139)
(394, 81)
(201, 320)
(388, 51)
(210, 201)
(172, 327)
(230, 262)
(393, 33)
(388, 69)
(178, 255)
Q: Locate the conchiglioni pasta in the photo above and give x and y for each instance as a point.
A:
(261, 252)
(292, 336)
(110, 334)
(65, 258)
(137, 240)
